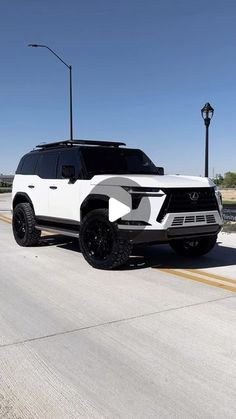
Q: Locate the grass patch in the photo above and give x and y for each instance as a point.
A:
(229, 227)
(229, 203)
(5, 190)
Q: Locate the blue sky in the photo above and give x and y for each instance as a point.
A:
(142, 70)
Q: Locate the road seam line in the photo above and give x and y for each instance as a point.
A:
(140, 316)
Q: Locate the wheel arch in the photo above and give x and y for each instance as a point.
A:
(93, 202)
(20, 198)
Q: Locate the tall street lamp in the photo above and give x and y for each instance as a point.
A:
(207, 113)
(70, 72)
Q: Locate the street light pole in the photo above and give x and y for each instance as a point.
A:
(70, 75)
(207, 113)
(71, 111)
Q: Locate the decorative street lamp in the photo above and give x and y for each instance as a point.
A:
(207, 113)
(70, 73)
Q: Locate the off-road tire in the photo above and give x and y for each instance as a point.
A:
(110, 250)
(23, 225)
(194, 247)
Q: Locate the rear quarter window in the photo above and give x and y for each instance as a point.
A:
(27, 165)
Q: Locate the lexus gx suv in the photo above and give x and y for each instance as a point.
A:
(111, 197)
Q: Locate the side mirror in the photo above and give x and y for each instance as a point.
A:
(68, 172)
(160, 171)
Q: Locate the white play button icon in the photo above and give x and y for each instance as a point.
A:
(117, 209)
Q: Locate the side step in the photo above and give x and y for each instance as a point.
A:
(64, 232)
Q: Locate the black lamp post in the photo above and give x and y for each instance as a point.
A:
(70, 73)
(207, 113)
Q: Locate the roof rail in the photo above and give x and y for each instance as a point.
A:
(69, 143)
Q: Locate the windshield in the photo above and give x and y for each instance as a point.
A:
(107, 160)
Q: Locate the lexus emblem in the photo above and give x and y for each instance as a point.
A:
(194, 196)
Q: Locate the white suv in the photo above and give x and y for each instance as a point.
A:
(111, 197)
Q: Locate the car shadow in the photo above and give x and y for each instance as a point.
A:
(163, 257)
(60, 241)
(156, 256)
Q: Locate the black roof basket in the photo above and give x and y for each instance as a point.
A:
(70, 143)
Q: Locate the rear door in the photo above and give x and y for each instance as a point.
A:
(63, 193)
(25, 180)
(46, 173)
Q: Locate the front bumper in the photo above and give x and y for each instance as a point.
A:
(165, 236)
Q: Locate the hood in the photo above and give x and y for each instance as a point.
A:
(153, 181)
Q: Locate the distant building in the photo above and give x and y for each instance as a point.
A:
(6, 180)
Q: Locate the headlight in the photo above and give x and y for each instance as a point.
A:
(143, 191)
(218, 195)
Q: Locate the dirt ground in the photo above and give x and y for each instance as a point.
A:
(229, 194)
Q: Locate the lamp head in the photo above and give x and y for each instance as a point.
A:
(37, 45)
(207, 111)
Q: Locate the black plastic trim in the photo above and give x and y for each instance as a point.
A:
(165, 236)
(93, 198)
(58, 223)
(70, 143)
(21, 195)
(57, 230)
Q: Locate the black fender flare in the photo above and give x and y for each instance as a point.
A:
(93, 201)
(20, 198)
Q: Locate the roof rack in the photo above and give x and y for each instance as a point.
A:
(70, 143)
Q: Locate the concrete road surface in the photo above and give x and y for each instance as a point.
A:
(155, 339)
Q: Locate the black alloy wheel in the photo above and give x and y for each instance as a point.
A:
(23, 225)
(100, 242)
(19, 224)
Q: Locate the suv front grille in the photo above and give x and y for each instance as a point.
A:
(184, 220)
(188, 200)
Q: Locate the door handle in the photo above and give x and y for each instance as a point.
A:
(53, 187)
(31, 186)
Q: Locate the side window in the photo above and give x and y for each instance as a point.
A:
(19, 167)
(69, 158)
(47, 166)
(28, 164)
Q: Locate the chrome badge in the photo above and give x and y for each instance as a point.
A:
(194, 196)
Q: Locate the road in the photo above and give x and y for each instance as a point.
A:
(155, 339)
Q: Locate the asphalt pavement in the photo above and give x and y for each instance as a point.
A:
(155, 339)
